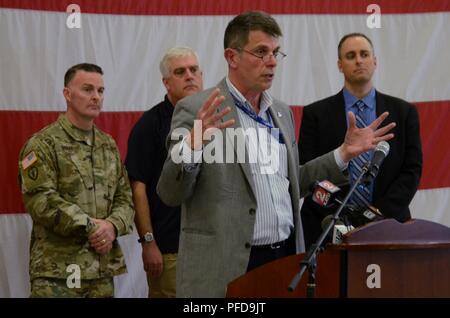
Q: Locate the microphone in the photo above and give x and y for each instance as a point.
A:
(339, 230)
(364, 215)
(381, 152)
(372, 213)
(324, 193)
(327, 220)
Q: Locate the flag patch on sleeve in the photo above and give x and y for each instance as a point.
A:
(29, 160)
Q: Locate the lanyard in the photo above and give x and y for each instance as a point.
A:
(258, 118)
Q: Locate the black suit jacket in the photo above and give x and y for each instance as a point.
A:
(323, 129)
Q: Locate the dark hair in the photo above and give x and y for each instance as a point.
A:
(236, 33)
(352, 35)
(70, 73)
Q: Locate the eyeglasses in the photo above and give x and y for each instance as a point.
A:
(264, 55)
(181, 71)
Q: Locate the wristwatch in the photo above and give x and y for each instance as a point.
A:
(147, 238)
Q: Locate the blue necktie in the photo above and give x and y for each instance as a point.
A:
(362, 196)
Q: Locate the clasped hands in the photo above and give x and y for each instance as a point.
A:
(103, 236)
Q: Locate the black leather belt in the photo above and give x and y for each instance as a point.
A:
(272, 246)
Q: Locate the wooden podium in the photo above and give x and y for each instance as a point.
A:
(380, 259)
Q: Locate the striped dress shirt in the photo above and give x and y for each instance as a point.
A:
(274, 216)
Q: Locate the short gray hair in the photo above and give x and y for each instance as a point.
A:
(174, 52)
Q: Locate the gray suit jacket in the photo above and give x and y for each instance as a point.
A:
(218, 201)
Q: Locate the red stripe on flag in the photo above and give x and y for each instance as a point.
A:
(231, 7)
(435, 132)
(17, 126)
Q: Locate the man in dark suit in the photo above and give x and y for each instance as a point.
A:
(324, 125)
(239, 213)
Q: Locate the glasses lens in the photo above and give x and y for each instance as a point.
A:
(277, 56)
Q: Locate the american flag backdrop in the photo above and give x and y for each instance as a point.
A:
(39, 40)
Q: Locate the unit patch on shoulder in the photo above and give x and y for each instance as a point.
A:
(33, 173)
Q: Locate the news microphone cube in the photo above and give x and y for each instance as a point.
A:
(324, 192)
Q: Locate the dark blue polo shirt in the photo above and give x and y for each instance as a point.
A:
(145, 159)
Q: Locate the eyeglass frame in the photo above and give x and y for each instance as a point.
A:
(265, 58)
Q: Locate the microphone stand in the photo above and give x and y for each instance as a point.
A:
(309, 262)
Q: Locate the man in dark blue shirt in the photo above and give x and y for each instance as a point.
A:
(157, 224)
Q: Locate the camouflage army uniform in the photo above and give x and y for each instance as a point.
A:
(65, 180)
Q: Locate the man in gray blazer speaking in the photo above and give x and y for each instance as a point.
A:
(233, 166)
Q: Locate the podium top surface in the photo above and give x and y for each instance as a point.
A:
(414, 233)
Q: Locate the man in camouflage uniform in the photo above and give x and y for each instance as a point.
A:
(77, 192)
